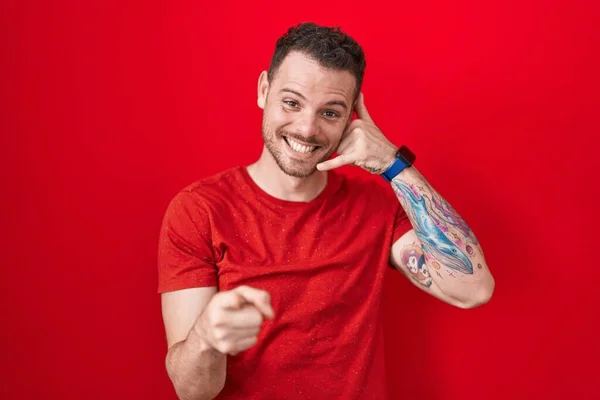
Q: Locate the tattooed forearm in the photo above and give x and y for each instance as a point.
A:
(443, 255)
(443, 233)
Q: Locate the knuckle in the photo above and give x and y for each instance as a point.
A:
(225, 347)
(230, 295)
(266, 296)
(217, 319)
(255, 319)
(219, 334)
(219, 296)
(259, 318)
(247, 344)
(217, 302)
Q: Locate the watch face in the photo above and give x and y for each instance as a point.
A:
(408, 156)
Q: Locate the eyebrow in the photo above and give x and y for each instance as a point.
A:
(329, 103)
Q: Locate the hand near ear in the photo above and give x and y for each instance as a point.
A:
(363, 145)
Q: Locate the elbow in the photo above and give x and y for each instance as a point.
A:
(197, 391)
(188, 393)
(482, 295)
(192, 387)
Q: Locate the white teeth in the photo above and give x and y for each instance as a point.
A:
(299, 147)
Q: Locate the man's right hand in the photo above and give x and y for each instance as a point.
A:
(232, 319)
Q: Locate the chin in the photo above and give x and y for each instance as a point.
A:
(291, 166)
(295, 171)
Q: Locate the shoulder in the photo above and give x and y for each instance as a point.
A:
(204, 195)
(212, 188)
(214, 183)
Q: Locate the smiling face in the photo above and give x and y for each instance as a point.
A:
(306, 109)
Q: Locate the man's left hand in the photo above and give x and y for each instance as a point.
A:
(363, 145)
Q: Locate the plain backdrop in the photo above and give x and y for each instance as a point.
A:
(110, 108)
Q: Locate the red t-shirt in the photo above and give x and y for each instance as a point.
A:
(322, 262)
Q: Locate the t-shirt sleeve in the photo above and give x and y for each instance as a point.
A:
(185, 251)
(401, 224)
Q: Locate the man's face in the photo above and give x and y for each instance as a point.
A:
(306, 110)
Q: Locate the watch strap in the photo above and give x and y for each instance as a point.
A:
(404, 158)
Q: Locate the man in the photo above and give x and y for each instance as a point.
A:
(271, 274)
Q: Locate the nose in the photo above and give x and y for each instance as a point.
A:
(307, 124)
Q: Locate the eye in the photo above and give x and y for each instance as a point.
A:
(291, 103)
(331, 114)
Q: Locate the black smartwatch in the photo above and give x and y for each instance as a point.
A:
(404, 159)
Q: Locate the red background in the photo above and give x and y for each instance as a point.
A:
(109, 108)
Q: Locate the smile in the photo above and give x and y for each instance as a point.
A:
(298, 147)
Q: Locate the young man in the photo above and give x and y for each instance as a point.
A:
(271, 274)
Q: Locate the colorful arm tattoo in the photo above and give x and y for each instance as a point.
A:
(432, 218)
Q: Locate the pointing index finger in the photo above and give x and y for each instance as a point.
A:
(258, 298)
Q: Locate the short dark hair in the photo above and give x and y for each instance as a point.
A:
(329, 46)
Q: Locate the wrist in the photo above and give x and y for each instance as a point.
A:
(403, 158)
(198, 339)
(389, 159)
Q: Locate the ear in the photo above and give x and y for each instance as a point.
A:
(263, 89)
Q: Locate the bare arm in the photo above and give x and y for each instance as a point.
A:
(202, 327)
(441, 255)
(196, 369)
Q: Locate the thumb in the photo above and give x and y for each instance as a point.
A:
(233, 300)
(259, 298)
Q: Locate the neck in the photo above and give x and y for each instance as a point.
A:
(269, 177)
